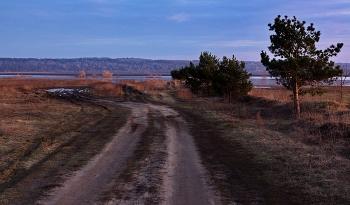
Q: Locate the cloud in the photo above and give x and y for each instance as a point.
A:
(332, 13)
(181, 17)
(238, 43)
(71, 40)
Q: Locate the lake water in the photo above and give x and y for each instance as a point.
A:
(115, 78)
(258, 81)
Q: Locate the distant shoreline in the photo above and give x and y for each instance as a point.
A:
(89, 74)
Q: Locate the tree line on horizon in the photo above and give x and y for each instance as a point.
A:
(98, 65)
(114, 65)
(90, 65)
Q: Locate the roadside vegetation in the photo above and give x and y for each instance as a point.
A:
(256, 151)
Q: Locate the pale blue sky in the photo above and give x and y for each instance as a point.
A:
(160, 29)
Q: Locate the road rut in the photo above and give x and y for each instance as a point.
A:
(173, 168)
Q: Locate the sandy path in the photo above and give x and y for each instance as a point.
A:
(184, 181)
(182, 176)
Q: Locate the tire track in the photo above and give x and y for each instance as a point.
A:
(185, 181)
(151, 160)
(86, 185)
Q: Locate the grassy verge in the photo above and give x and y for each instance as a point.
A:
(43, 138)
(257, 153)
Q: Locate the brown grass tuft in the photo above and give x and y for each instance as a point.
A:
(107, 89)
(184, 94)
(148, 86)
(275, 93)
(259, 121)
(8, 85)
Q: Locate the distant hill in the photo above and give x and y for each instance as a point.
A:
(91, 65)
(114, 65)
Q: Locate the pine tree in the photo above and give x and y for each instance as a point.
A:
(211, 76)
(299, 64)
(231, 80)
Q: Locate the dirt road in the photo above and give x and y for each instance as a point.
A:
(167, 170)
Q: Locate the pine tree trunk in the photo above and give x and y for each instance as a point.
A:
(296, 99)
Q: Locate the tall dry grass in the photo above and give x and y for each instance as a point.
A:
(275, 93)
(12, 84)
(279, 93)
(322, 116)
(107, 89)
(184, 94)
(15, 86)
(148, 86)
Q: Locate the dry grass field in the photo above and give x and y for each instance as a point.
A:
(42, 135)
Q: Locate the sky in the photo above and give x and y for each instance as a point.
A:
(161, 29)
